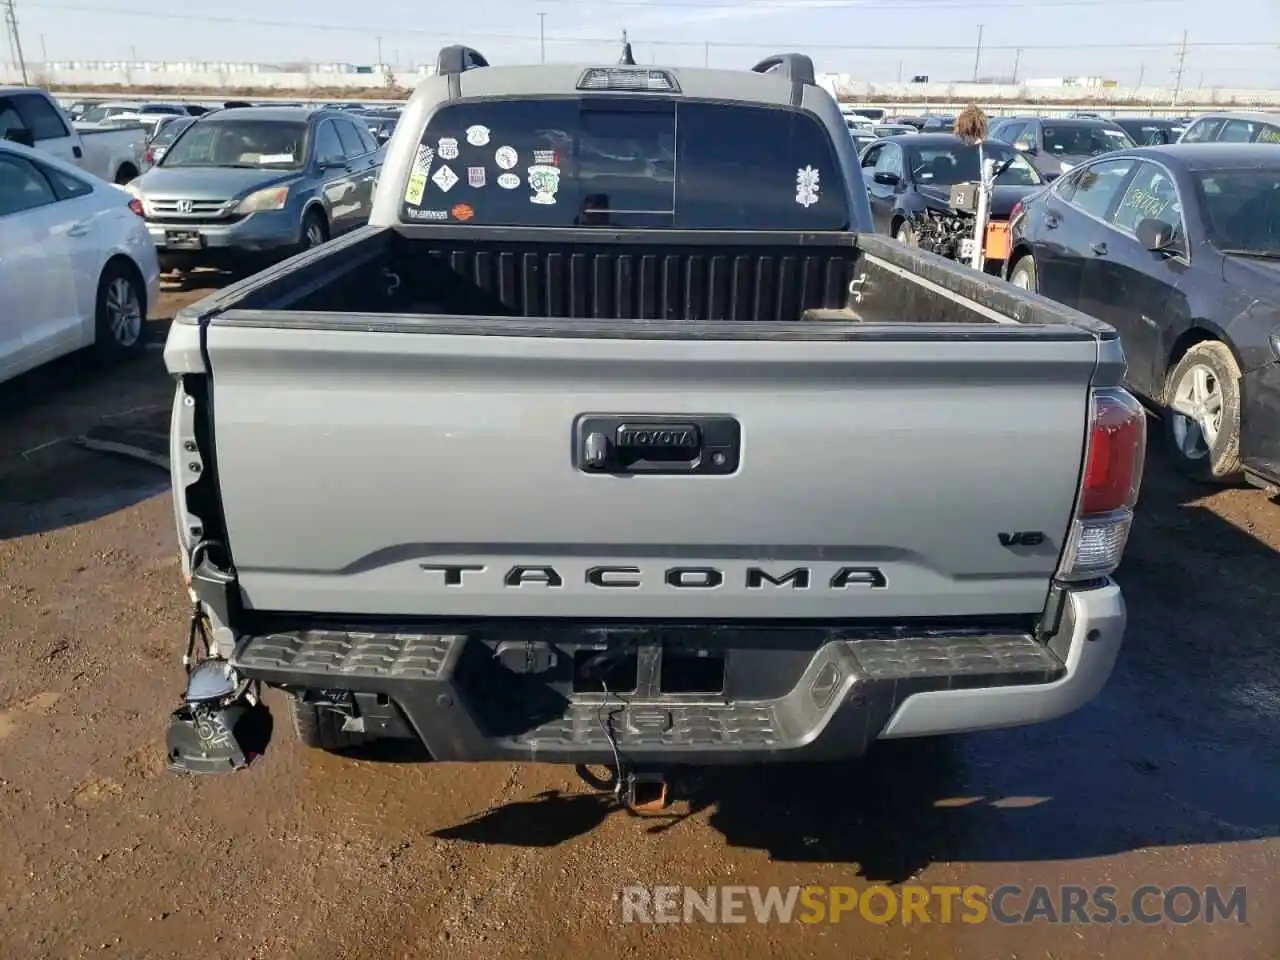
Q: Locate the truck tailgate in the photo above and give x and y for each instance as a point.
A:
(393, 469)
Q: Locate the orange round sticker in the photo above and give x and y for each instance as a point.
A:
(463, 211)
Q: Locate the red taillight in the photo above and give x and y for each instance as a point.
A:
(1117, 445)
(136, 206)
(149, 156)
(1109, 489)
(1016, 212)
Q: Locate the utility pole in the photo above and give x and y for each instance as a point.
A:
(542, 35)
(15, 39)
(706, 53)
(1017, 59)
(44, 52)
(977, 57)
(379, 51)
(1182, 64)
(1142, 72)
(899, 71)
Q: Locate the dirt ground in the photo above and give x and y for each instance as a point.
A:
(1172, 776)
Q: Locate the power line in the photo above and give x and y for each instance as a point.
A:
(374, 29)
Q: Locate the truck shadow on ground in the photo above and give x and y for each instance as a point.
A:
(1178, 749)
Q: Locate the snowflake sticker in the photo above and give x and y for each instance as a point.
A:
(807, 186)
(444, 178)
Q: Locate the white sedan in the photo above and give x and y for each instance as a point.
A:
(77, 265)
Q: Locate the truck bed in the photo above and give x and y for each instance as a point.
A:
(646, 279)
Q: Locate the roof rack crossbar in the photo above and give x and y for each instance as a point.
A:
(458, 59)
(796, 67)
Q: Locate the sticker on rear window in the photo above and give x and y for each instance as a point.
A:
(417, 186)
(478, 136)
(807, 186)
(444, 178)
(547, 157)
(544, 181)
(463, 212)
(447, 148)
(276, 158)
(428, 214)
(475, 176)
(508, 181)
(506, 157)
(422, 162)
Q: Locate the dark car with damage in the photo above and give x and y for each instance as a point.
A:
(1178, 248)
(910, 181)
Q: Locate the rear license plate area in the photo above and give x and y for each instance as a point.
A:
(183, 240)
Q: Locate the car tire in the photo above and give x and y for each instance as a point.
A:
(1023, 274)
(1202, 414)
(905, 235)
(315, 229)
(120, 314)
(126, 174)
(321, 728)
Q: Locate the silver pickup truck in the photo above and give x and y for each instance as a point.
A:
(618, 438)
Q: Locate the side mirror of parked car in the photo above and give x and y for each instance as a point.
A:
(1154, 235)
(887, 179)
(20, 135)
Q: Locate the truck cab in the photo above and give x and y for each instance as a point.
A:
(31, 117)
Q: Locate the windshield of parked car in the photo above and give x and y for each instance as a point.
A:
(1241, 209)
(170, 131)
(101, 112)
(1148, 133)
(1085, 140)
(949, 164)
(274, 144)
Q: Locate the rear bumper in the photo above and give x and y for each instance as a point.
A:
(456, 691)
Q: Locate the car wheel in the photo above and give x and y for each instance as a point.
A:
(1202, 415)
(315, 230)
(904, 234)
(126, 174)
(321, 729)
(121, 311)
(1024, 274)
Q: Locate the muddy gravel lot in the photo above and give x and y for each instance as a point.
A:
(1171, 777)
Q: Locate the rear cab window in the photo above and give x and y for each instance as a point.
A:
(633, 162)
(32, 112)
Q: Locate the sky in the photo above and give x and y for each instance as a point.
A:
(1231, 43)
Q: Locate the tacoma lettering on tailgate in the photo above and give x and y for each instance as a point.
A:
(680, 578)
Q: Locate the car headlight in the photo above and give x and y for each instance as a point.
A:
(272, 198)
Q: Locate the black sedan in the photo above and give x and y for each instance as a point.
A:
(909, 180)
(1055, 146)
(1178, 248)
(1151, 131)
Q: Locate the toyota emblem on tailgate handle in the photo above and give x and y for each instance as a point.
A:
(655, 444)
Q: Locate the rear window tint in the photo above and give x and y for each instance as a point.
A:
(633, 163)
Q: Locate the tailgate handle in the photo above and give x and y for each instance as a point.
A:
(652, 444)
